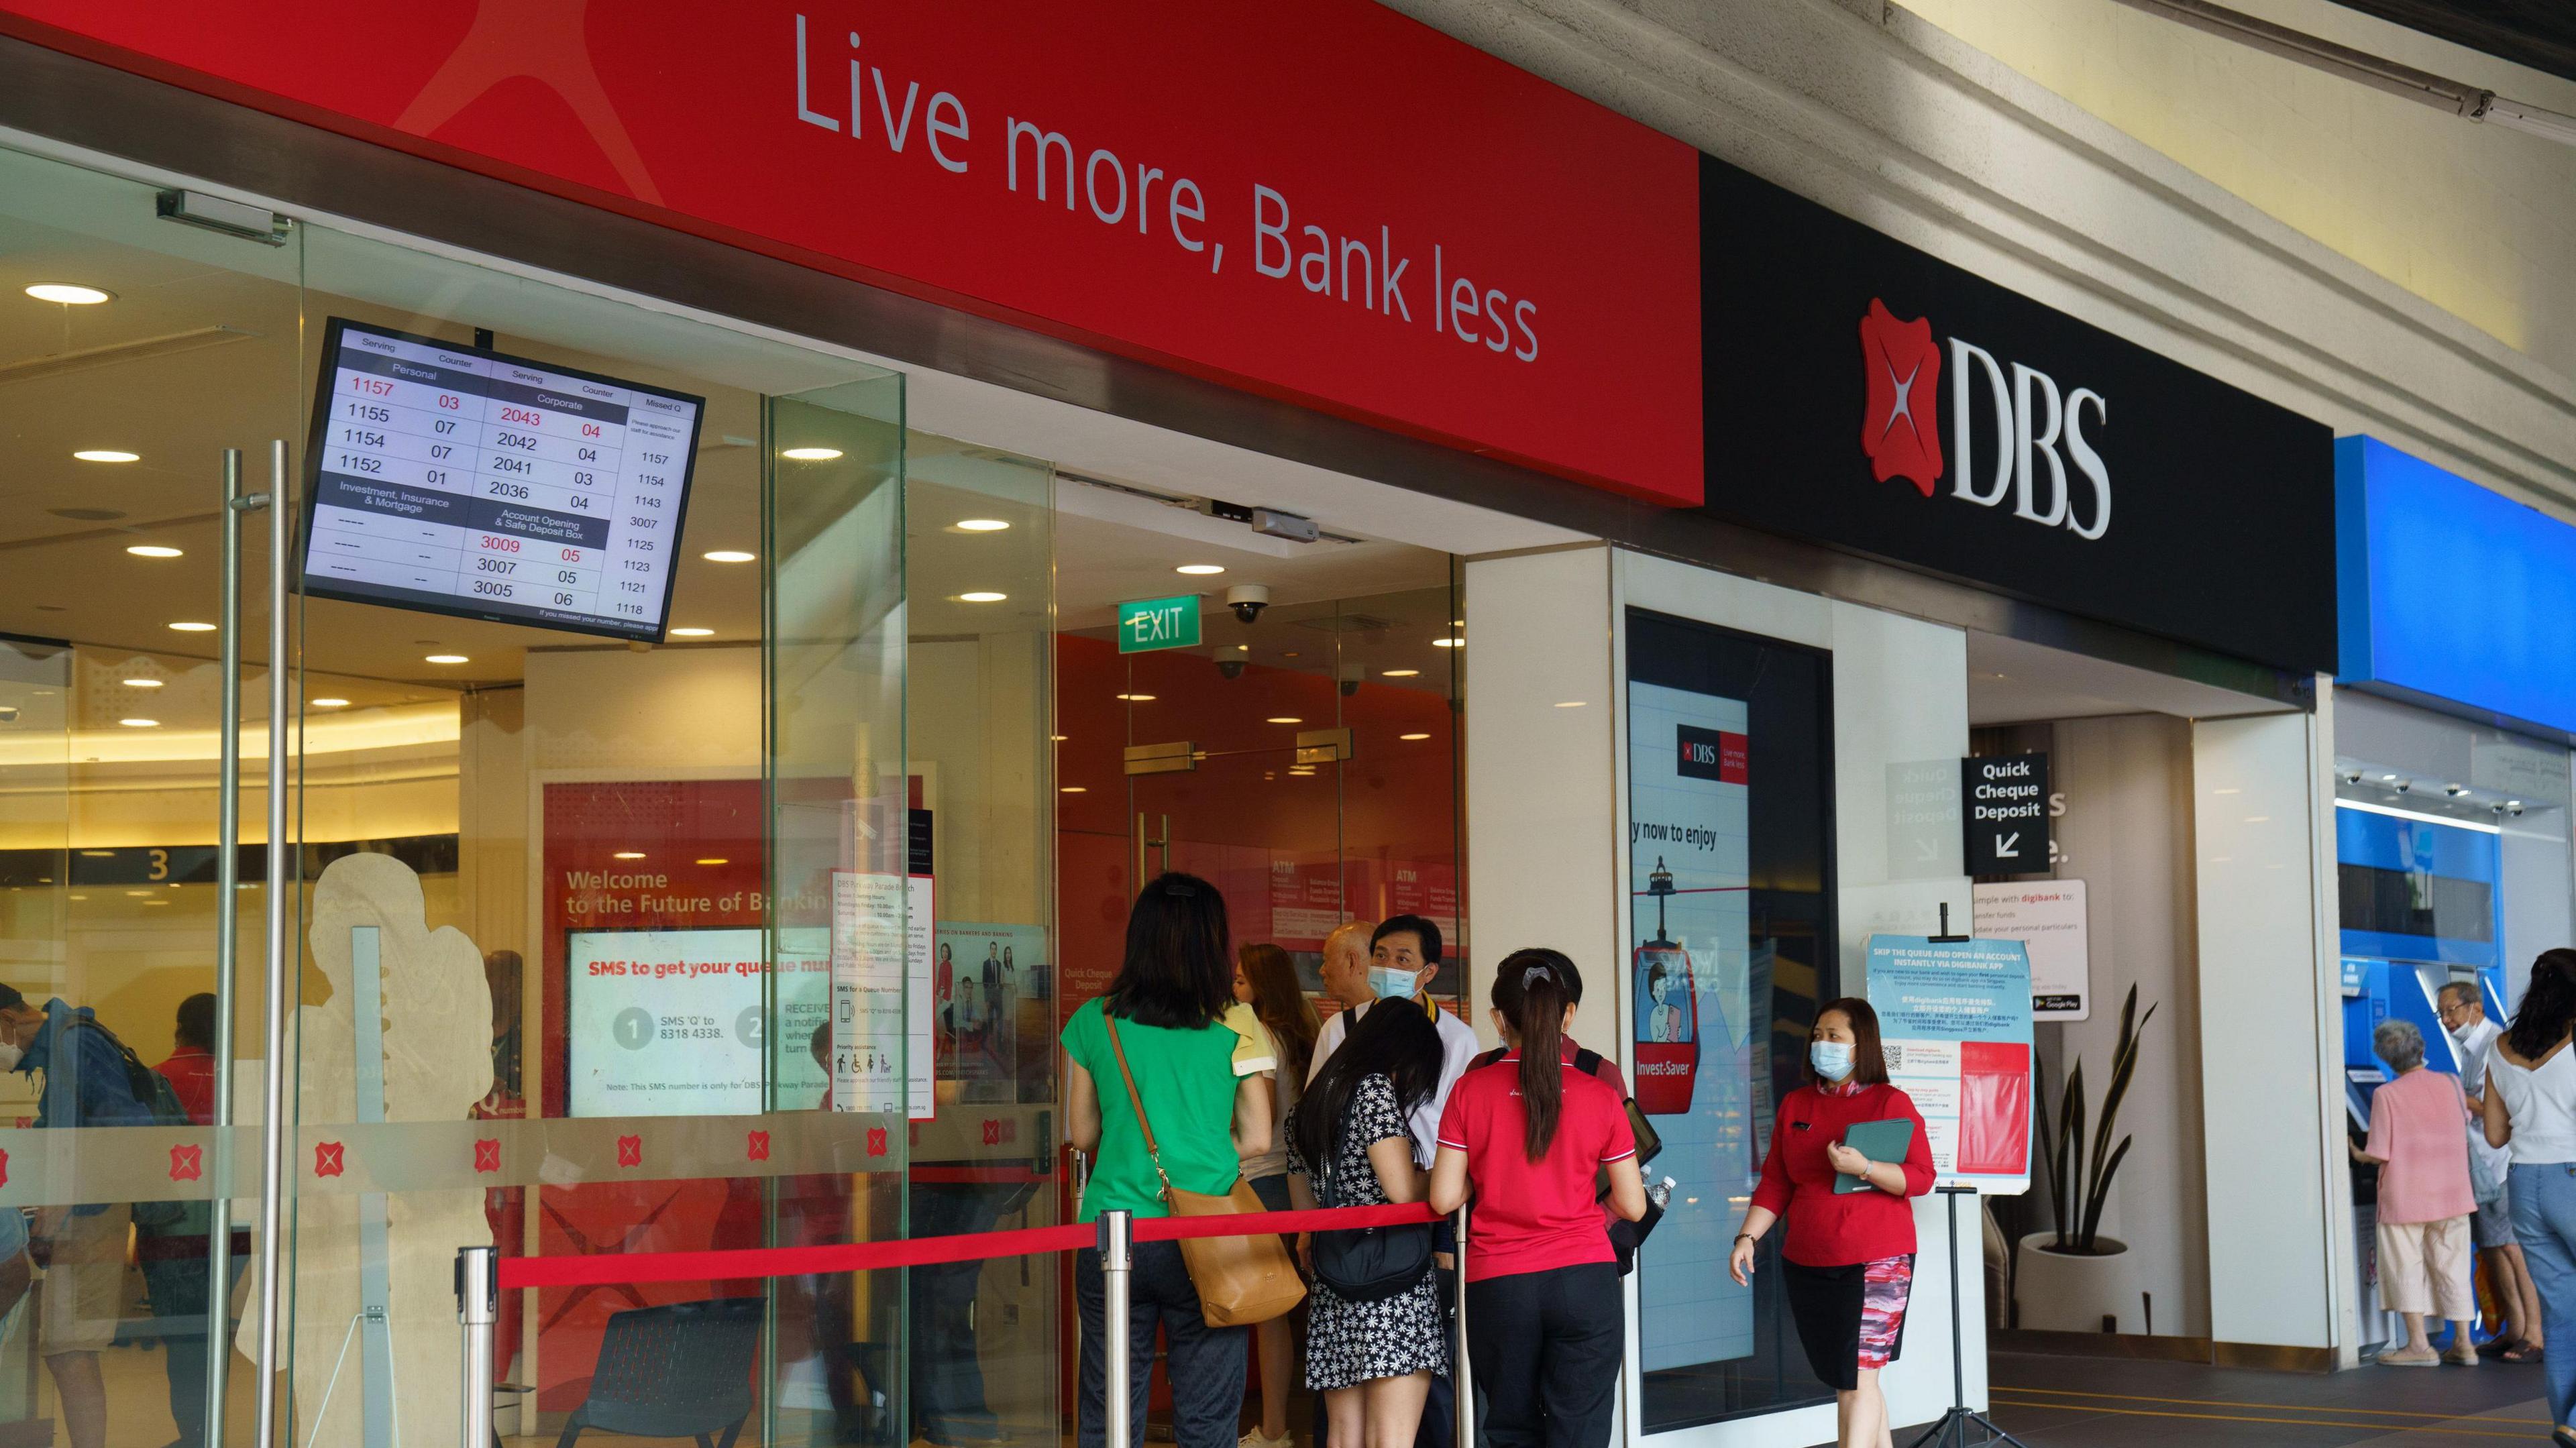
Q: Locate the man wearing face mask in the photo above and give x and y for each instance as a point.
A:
(82, 1248)
(2464, 1016)
(1404, 957)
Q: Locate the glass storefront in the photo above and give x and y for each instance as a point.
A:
(760, 934)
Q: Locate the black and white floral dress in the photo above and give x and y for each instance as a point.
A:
(1348, 1343)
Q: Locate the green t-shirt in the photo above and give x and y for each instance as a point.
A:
(1188, 1081)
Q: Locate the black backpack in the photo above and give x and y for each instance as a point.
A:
(1625, 1236)
(152, 1091)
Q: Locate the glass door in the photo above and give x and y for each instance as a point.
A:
(136, 351)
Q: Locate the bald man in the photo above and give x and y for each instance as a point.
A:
(1346, 963)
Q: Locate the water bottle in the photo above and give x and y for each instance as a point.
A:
(1661, 1193)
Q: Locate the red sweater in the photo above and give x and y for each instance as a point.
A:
(1827, 1229)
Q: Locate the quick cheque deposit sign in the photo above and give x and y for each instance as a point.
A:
(460, 480)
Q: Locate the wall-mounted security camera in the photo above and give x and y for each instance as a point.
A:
(2352, 776)
(1229, 668)
(1248, 600)
(2404, 785)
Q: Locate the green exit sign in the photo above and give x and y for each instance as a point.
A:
(1158, 623)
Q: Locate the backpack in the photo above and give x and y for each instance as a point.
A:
(1625, 1236)
(152, 1091)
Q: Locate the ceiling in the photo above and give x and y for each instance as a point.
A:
(2537, 33)
(2013, 682)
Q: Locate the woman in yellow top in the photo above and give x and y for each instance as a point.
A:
(1199, 1060)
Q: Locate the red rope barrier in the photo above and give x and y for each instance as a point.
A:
(748, 1262)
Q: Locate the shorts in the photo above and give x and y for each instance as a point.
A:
(1850, 1317)
(2424, 1267)
(83, 1299)
(2491, 1226)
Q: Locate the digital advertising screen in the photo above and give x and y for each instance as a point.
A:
(460, 480)
(671, 1022)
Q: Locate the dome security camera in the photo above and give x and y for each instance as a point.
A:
(1248, 600)
(1229, 668)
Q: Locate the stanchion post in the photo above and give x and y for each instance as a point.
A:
(1460, 1379)
(478, 1295)
(1117, 1262)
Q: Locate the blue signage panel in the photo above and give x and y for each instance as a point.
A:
(2449, 590)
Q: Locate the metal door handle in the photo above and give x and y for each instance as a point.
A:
(219, 1239)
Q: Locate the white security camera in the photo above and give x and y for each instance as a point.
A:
(1248, 600)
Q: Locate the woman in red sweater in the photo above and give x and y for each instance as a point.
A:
(1848, 1263)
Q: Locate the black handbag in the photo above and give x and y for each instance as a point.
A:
(1369, 1264)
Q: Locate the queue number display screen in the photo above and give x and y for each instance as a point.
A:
(464, 481)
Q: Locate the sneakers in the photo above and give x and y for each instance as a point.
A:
(1254, 1439)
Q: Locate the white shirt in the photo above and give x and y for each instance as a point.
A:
(2475, 1052)
(2542, 1105)
(1458, 1048)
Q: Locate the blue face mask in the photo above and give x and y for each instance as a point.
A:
(1832, 1059)
(1391, 984)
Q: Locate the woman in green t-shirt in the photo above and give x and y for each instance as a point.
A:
(1198, 1060)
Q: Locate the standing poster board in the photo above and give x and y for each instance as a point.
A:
(1954, 1017)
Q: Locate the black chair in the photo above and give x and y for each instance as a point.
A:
(681, 1370)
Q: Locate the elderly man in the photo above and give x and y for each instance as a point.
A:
(1346, 968)
(2418, 1140)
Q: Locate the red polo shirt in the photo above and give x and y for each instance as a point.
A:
(1533, 1216)
(191, 1074)
(1827, 1229)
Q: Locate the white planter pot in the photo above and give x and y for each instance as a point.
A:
(2071, 1292)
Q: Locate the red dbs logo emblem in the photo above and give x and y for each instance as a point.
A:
(1900, 429)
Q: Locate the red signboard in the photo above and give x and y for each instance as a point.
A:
(1325, 202)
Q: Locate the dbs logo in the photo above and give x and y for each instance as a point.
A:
(1900, 428)
(2044, 461)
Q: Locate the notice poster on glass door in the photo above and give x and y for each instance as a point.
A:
(1690, 988)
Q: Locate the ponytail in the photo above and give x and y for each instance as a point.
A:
(1538, 1019)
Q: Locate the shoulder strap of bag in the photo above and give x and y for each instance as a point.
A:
(1153, 1153)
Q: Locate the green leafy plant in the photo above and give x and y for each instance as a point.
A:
(2078, 1187)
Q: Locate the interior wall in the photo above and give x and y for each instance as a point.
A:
(2127, 834)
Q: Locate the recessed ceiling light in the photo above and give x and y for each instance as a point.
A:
(1448, 643)
(185, 627)
(1402, 673)
(1137, 698)
(729, 555)
(2392, 779)
(107, 455)
(1300, 770)
(447, 659)
(1059, 738)
(1285, 719)
(1243, 648)
(69, 295)
(1569, 703)
(982, 595)
(810, 454)
(715, 860)
(1457, 623)
(99, 854)
(981, 525)
(1409, 738)
(328, 703)
(627, 855)
(692, 633)
(142, 683)
(140, 723)
(153, 550)
(1200, 570)
(137, 894)
(1074, 789)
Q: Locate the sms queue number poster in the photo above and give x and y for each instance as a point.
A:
(1691, 997)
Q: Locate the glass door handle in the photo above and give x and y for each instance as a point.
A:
(273, 1138)
(219, 1236)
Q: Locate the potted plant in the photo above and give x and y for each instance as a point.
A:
(2072, 1278)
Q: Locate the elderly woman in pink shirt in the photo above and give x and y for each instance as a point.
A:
(2417, 1136)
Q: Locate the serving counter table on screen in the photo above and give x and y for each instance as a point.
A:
(460, 480)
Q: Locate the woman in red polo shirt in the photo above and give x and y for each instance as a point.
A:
(1544, 1324)
(1849, 1260)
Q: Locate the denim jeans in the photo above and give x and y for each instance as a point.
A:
(1205, 1365)
(2544, 1218)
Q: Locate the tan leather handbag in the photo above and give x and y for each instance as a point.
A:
(1241, 1279)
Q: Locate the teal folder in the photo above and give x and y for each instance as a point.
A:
(1879, 1141)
